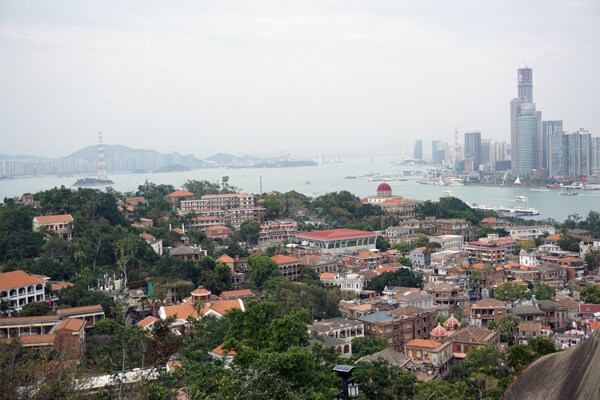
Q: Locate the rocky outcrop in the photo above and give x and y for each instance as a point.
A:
(573, 374)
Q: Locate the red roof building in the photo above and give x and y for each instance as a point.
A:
(59, 224)
(290, 267)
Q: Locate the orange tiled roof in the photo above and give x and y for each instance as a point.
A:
(219, 350)
(146, 321)
(281, 259)
(147, 236)
(235, 293)
(42, 318)
(37, 339)
(201, 292)
(52, 219)
(71, 324)
(327, 275)
(76, 310)
(225, 259)
(216, 227)
(553, 237)
(62, 285)
(14, 279)
(180, 193)
(223, 306)
(368, 254)
(423, 343)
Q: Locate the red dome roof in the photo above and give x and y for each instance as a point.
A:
(451, 322)
(384, 187)
(439, 331)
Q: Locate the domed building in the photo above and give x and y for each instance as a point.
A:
(452, 323)
(438, 332)
(391, 203)
(384, 190)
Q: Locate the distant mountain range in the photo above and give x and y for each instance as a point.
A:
(122, 158)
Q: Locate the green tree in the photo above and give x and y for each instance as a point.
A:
(524, 244)
(541, 346)
(592, 260)
(205, 334)
(262, 268)
(382, 243)
(543, 291)
(250, 230)
(405, 261)
(519, 356)
(106, 326)
(401, 277)
(366, 345)
(569, 243)
(511, 292)
(379, 380)
(402, 246)
(220, 279)
(508, 325)
(590, 294)
(36, 309)
(485, 360)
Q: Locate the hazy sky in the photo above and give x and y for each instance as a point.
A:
(263, 76)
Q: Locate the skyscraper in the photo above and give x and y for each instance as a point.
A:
(486, 149)
(571, 154)
(472, 150)
(548, 128)
(437, 152)
(525, 83)
(525, 127)
(418, 151)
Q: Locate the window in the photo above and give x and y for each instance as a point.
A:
(408, 336)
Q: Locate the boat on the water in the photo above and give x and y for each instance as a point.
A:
(522, 199)
(448, 193)
(568, 193)
(510, 210)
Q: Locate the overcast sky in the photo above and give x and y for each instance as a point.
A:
(264, 76)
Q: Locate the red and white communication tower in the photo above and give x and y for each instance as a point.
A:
(101, 162)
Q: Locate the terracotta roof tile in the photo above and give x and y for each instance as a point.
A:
(71, 324)
(423, 343)
(15, 279)
(52, 219)
(281, 259)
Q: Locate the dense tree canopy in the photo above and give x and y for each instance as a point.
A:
(401, 277)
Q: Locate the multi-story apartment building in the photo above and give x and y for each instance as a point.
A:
(487, 310)
(289, 267)
(237, 216)
(482, 252)
(219, 201)
(59, 224)
(455, 226)
(448, 242)
(555, 315)
(525, 232)
(400, 326)
(20, 288)
(277, 231)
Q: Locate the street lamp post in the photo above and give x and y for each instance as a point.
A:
(349, 387)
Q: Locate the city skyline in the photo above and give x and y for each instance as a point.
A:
(198, 77)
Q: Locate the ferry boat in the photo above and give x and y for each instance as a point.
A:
(522, 199)
(509, 211)
(448, 193)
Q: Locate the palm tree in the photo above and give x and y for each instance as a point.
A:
(198, 306)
